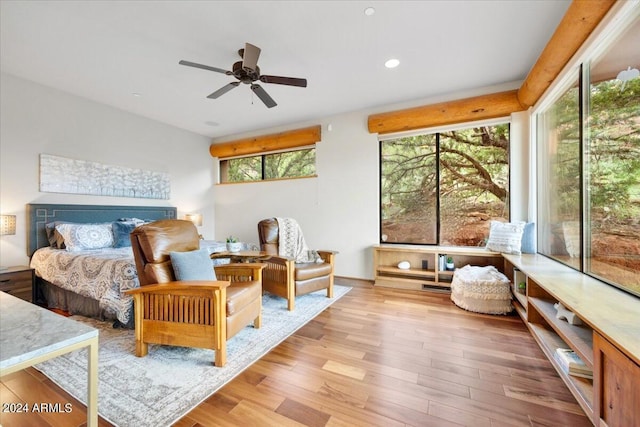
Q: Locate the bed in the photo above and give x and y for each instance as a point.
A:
(88, 282)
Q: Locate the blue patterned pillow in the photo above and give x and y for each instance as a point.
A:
(80, 237)
(121, 232)
(506, 237)
(193, 265)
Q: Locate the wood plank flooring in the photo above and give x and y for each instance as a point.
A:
(377, 357)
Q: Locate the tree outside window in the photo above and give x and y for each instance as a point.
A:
(444, 188)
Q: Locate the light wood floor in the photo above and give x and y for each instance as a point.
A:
(377, 357)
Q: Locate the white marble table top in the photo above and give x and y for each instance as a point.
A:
(28, 331)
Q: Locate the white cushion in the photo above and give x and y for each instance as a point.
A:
(506, 237)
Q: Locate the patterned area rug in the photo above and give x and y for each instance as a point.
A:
(162, 387)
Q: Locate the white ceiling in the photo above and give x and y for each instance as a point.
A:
(107, 50)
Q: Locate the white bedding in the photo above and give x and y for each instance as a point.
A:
(101, 274)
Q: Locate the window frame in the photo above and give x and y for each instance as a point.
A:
(437, 131)
(581, 64)
(223, 165)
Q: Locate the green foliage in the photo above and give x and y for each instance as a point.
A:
(614, 149)
(448, 174)
(278, 165)
(611, 152)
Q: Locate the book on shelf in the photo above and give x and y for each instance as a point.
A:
(442, 262)
(571, 363)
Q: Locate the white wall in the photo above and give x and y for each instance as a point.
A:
(340, 208)
(36, 119)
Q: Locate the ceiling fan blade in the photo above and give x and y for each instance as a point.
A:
(291, 81)
(250, 57)
(224, 89)
(263, 95)
(204, 67)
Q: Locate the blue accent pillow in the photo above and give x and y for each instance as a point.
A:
(193, 265)
(529, 245)
(121, 232)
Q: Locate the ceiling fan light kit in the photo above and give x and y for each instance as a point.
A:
(248, 72)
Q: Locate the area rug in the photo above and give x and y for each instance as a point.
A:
(160, 388)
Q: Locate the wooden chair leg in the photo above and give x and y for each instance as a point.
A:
(221, 354)
(142, 348)
(257, 322)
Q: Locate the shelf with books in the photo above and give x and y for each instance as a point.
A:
(580, 337)
(549, 342)
(566, 309)
(572, 364)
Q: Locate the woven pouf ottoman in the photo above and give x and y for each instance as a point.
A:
(481, 290)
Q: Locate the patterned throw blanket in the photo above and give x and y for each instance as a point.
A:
(292, 244)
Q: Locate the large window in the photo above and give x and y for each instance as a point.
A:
(288, 164)
(589, 168)
(444, 188)
(559, 178)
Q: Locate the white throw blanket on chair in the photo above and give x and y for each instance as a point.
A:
(291, 242)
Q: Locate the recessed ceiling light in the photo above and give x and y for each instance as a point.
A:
(369, 11)
(136, 94)
(211, 123)
(392, 63)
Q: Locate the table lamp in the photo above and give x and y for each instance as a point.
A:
(196, 219)
(7, 227)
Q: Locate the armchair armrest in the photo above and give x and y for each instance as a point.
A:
(192, 286)
(327, 255)
(240, 272)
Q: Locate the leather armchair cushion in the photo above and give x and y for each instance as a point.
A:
(311, 270)
(268, 235)
(162, 237)
(240, 295)
(160, 273)
(312, 285)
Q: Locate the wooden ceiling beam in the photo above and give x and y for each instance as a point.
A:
(582, 17)
(578, 23)
(266, 143)
(462, 110)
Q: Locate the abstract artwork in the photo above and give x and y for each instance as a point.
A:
(63, 175)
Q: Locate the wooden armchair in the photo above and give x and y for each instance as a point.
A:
(284, 277)
(189, 313)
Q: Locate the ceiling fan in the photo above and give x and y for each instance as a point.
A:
(248, 72)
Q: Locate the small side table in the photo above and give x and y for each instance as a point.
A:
(19, 281)
(241, 256)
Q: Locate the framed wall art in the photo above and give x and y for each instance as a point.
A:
(64, 175)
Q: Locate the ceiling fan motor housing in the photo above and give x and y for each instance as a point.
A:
(247, 72)
(246, 76)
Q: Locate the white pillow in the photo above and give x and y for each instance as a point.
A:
(80, 237)
(506, 237)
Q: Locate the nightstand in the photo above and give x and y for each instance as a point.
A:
(18, 281)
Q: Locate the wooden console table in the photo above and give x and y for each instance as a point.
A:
(425, 273)
(30, 334)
